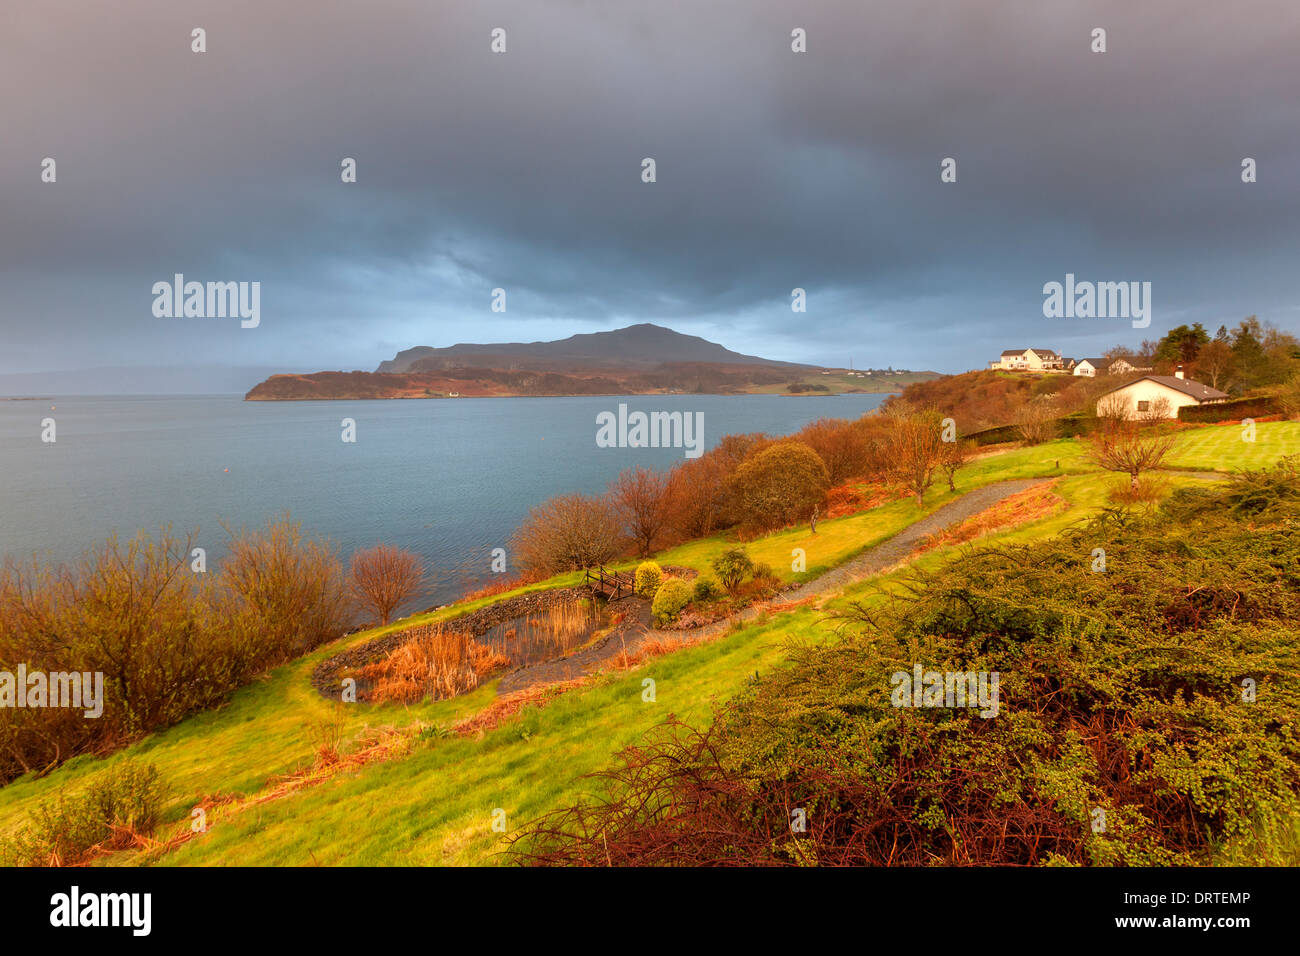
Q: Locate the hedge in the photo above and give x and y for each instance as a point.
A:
(1232, 411)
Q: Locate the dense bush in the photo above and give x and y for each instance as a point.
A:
(843, 446)
(116, 807)
(673, 595)
(167, 640)
(647, 579)
(705, 589)
(1158, 696)
(732, 567)
(779, 485)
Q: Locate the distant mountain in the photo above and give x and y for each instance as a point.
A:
(638, 360)
(636, 346)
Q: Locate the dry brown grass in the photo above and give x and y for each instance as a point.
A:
(1031, 504)
(553, 632)
(1150, 489)
(506, 706)
(435, 663)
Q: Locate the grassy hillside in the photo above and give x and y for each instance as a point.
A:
(433, 801)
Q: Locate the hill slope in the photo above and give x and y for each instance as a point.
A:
(643, 345)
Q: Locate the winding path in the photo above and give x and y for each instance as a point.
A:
(634, 631)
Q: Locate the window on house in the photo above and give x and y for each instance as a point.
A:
(1144, 406)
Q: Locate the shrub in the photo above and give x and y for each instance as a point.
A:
(763, 573)
(116, 808)
(673, 595)
(841, 445)
(705, 589)
(779, 485)
(568, 533)
(648, 578)
(732, 567)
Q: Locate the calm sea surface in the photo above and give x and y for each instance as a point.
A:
(449, 479)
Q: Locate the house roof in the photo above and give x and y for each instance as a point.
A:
(1197, 390)
(1044, 353)
(1014, 351)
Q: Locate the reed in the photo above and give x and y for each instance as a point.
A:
(435, 663)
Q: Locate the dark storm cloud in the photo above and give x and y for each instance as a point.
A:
(776, 170)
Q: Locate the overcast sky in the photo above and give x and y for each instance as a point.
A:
(522, 171)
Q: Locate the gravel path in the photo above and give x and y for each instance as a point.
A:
(636, 628)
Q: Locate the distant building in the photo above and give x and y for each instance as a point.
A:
(1090, 367)
(1124, 367)
(1156, 396)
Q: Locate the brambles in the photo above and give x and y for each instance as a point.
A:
(647, 579)
(673, 595)
(383, 578)
(843, 447)
(732, 567)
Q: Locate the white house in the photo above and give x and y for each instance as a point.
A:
(1090, 367)
(1029, 360)
(1156, 396)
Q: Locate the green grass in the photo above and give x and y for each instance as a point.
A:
(435, 805)
(1222, 448)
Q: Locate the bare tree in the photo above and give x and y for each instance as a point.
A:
(1130, 447)
(383, 578)
(1114, 406)
(1215, 361)
(1036, 421)
(1158, 409)
(954, 455)
(641, 498)
(568, 533)
(915, 448)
